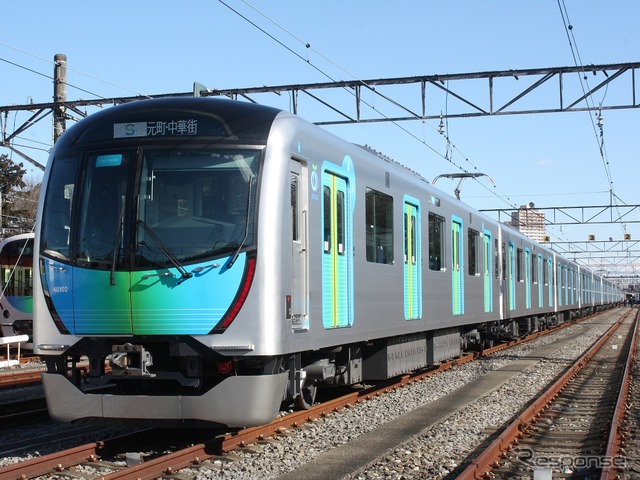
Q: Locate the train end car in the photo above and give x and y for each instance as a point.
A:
(16, 286)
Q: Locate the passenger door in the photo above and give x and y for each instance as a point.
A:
(511, 273)
(412, 261)
(486, 265)
(527, 277)
(457, 267)
(297, 303)
(337, 255)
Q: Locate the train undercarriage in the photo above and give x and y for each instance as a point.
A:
(385, 358)
(179, 367)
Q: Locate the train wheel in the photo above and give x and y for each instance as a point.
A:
(306, 397)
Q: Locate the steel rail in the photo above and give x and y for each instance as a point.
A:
(481, 467)
(194, 455)
(170, 463)
(615, 434)
(53, 462)
(20, 379)
(167, 464)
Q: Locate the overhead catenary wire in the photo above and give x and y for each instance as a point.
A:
(51, 62)
(596, 126)
(276, 40)
(49, 77)
(450, 146)
(308, 48)
(464, 164)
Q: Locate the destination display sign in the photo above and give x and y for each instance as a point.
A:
(169, 128)
(156, 125)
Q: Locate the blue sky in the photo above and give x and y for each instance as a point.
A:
(123, 48)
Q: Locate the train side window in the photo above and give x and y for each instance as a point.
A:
(436, 242)
(327, 219)
(472, 240)
(410, 255)
(534, 269)
(496, 259)
(406, 238)
(294, 207)
(16, 268)
(379, 223)
(340, 220)
(413, 236)
(56, 222)
(414, 244)
(519, 265)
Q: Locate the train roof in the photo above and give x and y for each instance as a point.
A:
(391, 161)
(20, 236)
(218, 118)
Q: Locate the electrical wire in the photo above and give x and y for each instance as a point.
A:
(308, 48)
(584, 81)
(450, 146)
(597, 128)
(71, 69)
(49, 77)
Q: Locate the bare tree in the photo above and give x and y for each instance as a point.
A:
(19, 198)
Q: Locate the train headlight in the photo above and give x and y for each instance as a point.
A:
(52, 347)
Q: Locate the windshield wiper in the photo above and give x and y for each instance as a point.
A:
(172, 258)
(246, 227)
(116, 244)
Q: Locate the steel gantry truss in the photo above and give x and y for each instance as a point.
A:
(479, 94)
(500, 97)
(608, 254)
(614, 258)
(580, 215)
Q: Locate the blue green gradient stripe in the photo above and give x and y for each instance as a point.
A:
(88, 304)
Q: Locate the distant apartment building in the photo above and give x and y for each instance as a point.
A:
(529, 221)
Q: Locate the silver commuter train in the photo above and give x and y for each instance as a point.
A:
(221, 257)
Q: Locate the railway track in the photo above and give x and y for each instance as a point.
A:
(630, 428)
(571, 430)
(19, 378)
(216, 448)
(24, 411)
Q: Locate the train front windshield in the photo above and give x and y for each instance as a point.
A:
(158, 209)
(16, 262)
